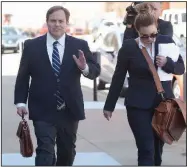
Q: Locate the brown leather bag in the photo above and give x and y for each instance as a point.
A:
(169, 120)
(23, 133)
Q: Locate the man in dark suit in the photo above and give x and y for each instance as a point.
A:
(164, 27)
(55, 63)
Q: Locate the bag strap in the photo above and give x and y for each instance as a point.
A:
(153, 70)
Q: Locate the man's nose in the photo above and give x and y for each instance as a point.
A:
(57, 23)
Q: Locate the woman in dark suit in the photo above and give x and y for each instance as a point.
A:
(142, 97)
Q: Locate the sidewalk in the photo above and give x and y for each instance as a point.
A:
(100, 142)
(115, 138)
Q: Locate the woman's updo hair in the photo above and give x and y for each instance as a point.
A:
(145, 16)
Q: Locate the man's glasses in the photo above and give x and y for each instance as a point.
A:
(153, 35)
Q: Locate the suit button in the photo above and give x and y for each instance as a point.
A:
(58, 80)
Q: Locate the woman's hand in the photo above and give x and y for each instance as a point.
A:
(161, 61)
(107, 114)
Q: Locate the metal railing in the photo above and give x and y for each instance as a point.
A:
(97, 57)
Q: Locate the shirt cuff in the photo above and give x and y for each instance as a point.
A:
(86, 70)
(20, 105)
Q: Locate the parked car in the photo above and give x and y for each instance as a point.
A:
(110, 44)
(107, 25)
(179, 81)
(11, 39)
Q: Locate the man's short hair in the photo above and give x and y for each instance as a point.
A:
(56, 8)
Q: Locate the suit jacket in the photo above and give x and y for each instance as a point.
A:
(164, 28)
(35, 63)
(142, 91)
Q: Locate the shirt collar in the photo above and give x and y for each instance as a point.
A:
(51, 40)
(141, 45)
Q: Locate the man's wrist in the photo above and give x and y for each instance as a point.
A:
(82, 69)
(18, 105)
(86, 70)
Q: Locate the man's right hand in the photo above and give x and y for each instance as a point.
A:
(22, 111)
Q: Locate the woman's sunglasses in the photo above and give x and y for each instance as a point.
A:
(149, 36)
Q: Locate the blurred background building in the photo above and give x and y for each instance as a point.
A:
(31, 15)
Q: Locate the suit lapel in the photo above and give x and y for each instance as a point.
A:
(44, 53)
(66, 50)
(67, 54)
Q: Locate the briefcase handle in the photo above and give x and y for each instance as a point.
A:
(22, 126)
(22, 116)
(24, 122)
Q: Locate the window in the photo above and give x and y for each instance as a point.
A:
(165, 17)
(8, 31)
(170, 17)
(111, 41)
(107, 40)
(176, 19)
(114, 43)
(108, 24)
(183, 17)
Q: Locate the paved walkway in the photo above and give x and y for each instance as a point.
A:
(101, 142)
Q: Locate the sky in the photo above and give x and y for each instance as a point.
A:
(32, 14)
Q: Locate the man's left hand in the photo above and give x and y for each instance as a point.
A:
(161, 61)
(81, 61)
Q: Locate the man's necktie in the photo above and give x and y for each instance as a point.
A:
(56, 68)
